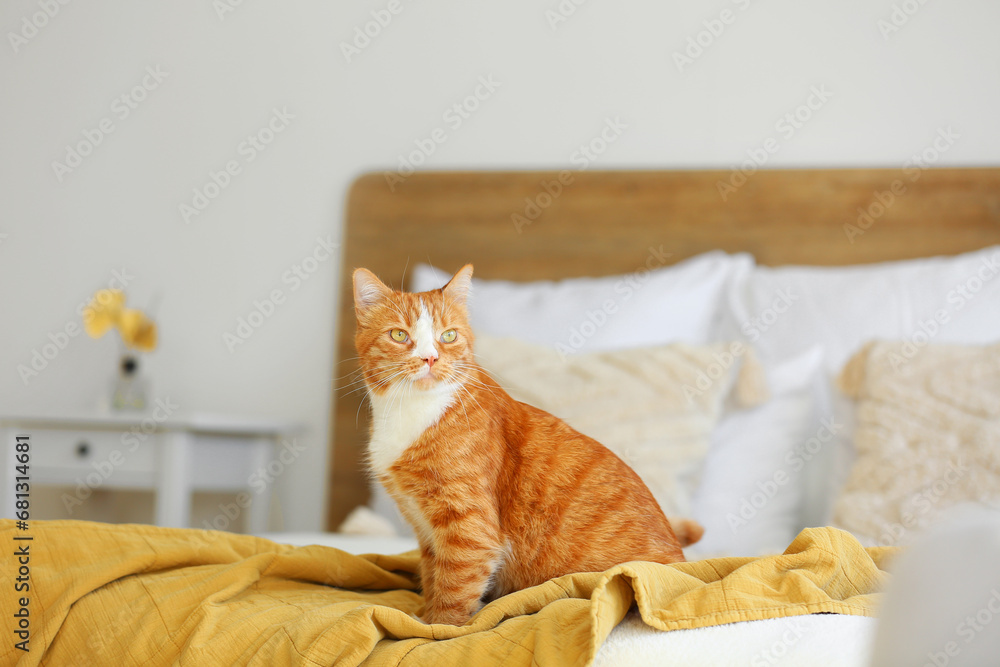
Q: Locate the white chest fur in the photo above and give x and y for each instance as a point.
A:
(399, 419)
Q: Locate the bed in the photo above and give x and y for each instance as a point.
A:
(832, 282)
(552, 226)
(604, 224)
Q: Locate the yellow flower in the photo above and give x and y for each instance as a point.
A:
(137, 330)
(103, 312)
(107, 309)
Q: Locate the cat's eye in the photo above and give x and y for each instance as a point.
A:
(449, 336)
(399, 335)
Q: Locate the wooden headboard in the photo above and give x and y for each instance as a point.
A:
(550, 225)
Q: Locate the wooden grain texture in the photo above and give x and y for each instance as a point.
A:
(603, 223)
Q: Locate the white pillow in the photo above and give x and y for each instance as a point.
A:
(783, 311)
(678, 303)
(751, 500)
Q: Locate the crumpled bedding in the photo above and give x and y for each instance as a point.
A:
(106, 594)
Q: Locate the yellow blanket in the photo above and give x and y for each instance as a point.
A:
(105, 594)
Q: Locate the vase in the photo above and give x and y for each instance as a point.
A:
(129, 392)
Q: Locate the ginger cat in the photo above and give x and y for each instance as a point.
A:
(501, 495)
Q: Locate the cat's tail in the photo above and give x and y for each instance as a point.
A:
(688, 531)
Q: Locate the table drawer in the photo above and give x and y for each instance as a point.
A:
(229, 463)
(82, 450)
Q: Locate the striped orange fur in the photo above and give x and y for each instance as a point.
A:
(501, 495)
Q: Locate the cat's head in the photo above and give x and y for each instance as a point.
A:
(421, 339)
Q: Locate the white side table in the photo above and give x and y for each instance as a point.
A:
(169, 454)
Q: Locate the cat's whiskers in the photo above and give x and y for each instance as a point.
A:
(398, 390)
(406, 385)
(377, 385)
(349, 373)
(355, 387)
(482, 369)
(380, 380)
(461, 402)
(392, 392)
(489, 416)
(348, 359)
(361, 384)
(460, 373)
(384, 382)
(463, 367)
(355, 372)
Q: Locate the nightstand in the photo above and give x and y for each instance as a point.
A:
(158, 450)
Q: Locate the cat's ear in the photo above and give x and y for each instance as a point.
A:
(368, 290)
(460, 285)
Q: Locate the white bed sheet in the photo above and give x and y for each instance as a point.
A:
(816, 640)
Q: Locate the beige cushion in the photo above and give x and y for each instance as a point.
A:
(654, 407)
(927, 436)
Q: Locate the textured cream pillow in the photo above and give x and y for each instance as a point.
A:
(654, 407)
(927, 436)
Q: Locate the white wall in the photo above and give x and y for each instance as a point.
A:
(889, 94)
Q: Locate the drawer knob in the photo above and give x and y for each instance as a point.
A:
(82, 449)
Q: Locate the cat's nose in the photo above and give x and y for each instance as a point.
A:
(430, 361)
